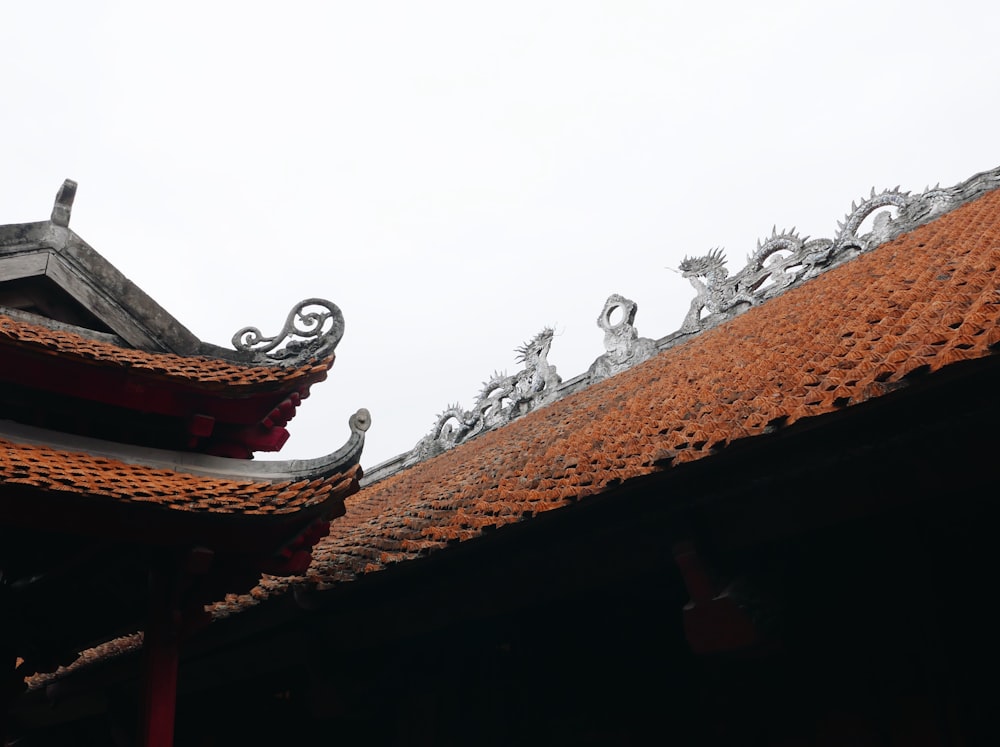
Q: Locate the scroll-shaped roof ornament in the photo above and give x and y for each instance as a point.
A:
(621, 339)
(501, 399)
(312, 330)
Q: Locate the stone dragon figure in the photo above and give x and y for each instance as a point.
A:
(785, 258)
(782, 260)
(501, 399)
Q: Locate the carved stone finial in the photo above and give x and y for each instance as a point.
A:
(360, 421)
(63, 206)
(621, 339)
(312, 329)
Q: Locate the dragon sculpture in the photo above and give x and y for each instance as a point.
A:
(501, 399)
(784, 259)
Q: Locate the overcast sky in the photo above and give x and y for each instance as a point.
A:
(457, 175)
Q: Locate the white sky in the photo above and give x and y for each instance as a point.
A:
(457, 175)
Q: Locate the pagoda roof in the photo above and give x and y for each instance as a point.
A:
(125, 445)
(88, 351)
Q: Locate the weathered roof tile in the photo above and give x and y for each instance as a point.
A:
(200, 369)
(45, 468)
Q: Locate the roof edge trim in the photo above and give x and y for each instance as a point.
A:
(204, 465)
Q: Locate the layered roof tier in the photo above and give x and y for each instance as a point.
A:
(125, 447)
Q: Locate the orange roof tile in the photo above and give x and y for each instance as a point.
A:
(210, 372)
(926, 300)
(54, 471)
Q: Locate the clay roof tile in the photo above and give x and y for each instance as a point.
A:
(194, 369)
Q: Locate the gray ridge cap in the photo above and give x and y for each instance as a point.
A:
(816, 257)
(222, 468)
(14, 235)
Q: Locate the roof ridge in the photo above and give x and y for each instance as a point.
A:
(781, 261)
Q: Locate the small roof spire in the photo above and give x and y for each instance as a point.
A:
(64, 203)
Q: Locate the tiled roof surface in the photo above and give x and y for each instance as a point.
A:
(101, 653)
(924, 301)
(48, 469)
(211, 372)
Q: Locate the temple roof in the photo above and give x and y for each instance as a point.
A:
(129, 371)
(926, 301)
(125, 445)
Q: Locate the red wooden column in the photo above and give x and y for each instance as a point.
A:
(160, 654)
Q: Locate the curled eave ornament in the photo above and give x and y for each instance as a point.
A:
(312, 329)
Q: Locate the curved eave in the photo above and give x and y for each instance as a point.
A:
(220, 468)
(203, 405)
(210, 374)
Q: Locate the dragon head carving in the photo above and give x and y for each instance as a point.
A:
(712, 264)
(535, 349)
